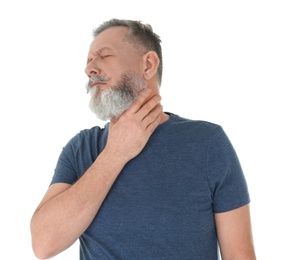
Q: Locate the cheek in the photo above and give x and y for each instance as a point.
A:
(117, 68)
(132, 62)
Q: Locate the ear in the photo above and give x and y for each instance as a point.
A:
(151, 63)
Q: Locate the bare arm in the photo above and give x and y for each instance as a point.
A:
(235, 234)
(66, 211)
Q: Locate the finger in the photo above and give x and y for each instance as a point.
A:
(148, 106)
(152, 115)
(138, 103)
(154, 124)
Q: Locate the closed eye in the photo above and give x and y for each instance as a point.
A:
(105, 56)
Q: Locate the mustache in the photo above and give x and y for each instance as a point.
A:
(95, 79)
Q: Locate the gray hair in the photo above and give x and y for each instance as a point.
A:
(139, 35)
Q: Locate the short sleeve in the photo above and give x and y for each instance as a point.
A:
(65, 170)
(225, 175)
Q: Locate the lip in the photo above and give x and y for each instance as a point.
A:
(97, 83)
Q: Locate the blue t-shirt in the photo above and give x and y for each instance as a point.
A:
(162, 204)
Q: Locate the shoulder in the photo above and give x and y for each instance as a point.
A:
(197, 128)
(88, 137)
(92, 132)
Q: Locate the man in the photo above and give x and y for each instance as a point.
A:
(150, 184)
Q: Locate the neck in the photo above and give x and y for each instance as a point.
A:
(164, 117)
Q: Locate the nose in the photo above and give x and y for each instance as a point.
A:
(92, 69)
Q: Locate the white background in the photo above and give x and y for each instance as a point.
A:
(223, 62)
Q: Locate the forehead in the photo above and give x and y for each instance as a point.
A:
(113, 38)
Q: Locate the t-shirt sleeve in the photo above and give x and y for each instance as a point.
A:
(225, 175)
(65, 170)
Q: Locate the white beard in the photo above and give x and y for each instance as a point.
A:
(112, 102)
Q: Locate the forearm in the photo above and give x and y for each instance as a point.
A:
(59, 221)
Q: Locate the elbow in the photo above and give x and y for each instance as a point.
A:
(40, 253)
(41, 249)
(42, 245)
